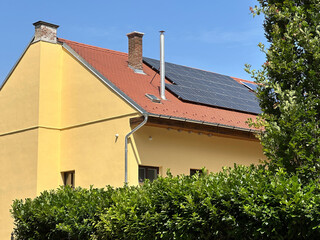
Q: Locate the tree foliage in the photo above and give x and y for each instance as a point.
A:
(289, 80)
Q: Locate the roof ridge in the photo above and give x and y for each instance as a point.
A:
(93, 47)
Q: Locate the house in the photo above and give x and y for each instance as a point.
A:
(77, 114)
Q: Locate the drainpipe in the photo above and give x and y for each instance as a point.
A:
(126, 146)
(162, 67)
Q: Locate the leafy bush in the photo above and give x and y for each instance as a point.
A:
(65, 213)
(240, 203)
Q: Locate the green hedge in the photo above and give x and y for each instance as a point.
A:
(239, 203)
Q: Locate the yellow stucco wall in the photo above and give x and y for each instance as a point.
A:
(50, 74)
(92, 115)
(95, 153)
(19, 97)
(85, 98)
(50, 78)
(19, 110)
(180, 150)
(18, 173)
(48, 164)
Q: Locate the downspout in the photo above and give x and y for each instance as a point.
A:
(126, 146)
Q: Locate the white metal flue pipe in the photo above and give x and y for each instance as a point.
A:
(162, 67)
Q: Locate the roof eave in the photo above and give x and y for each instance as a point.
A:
(204, 123)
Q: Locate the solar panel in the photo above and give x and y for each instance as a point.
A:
(202, 87)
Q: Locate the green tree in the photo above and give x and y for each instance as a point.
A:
(290, 85)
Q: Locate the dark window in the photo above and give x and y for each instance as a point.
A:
(146, 172)
(195, 171)
(68, 178)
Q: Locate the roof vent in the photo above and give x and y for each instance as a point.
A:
(252, 86)
(153, 98)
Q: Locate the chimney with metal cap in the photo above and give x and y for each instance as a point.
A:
(45, 31)
(162, 67)
(135, 51)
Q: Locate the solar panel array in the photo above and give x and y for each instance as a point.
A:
(202, 87)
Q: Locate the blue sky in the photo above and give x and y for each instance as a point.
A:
(218, 36)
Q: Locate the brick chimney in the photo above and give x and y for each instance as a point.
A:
(45, 32)
(135, 51)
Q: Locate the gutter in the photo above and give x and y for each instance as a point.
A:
(126, 146)
(202, 122)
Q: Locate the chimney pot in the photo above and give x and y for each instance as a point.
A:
(45, 31)
(135, 51)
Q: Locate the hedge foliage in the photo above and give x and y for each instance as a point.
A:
(236, 203)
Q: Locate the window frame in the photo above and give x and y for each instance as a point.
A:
(65, 178)
(194, 171)
(146, 172)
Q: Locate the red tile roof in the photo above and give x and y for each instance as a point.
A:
(113, 65)
(239, 80)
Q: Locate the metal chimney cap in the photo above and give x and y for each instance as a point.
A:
(135, 33)
(46, 24)
(162, 31)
